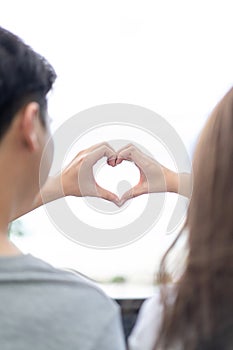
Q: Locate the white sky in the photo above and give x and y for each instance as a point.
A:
(173, 57)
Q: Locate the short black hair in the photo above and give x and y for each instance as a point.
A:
(25, 76)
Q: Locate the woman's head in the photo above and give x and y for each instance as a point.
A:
(210, 214)
(202, 316)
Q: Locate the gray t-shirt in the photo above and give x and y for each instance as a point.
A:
(45, 308)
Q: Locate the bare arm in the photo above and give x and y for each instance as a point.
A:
(77, 179)
(154, 177)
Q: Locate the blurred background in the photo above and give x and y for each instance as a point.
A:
(173, 57)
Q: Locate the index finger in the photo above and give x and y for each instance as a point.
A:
(130, 153)
(103, 150)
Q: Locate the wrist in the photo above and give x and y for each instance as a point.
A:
(53, 189)
(185, 184)
(172, 181)
(70, 184)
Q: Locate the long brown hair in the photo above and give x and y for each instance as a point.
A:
(201, 317)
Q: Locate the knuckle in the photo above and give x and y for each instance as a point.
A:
(105, 144)
(130, 145)
(132, 149)
(85, 160)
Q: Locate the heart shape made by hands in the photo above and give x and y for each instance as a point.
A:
(118, 179)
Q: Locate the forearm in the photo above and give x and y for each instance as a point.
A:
(51, 191)
(179, 183)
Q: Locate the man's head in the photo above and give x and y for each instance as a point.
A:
(25, 79)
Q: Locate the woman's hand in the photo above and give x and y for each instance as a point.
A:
(154, 177)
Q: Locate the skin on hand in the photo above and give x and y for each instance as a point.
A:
(78, 178)
(154, 177)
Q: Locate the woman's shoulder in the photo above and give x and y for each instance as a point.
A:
(149, 320)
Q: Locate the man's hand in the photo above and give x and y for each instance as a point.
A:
(78, 178)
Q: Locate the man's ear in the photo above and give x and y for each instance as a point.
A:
(29, 126)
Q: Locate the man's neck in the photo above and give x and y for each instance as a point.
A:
(7, 248)
(8, 201)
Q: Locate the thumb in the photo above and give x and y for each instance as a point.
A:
(109, 196)
(132, 193)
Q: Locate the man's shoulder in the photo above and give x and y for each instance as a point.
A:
(66, 273)
(68, 281)
(31, 272)
(59, 299)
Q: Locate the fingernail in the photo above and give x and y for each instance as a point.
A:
(111, 161)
